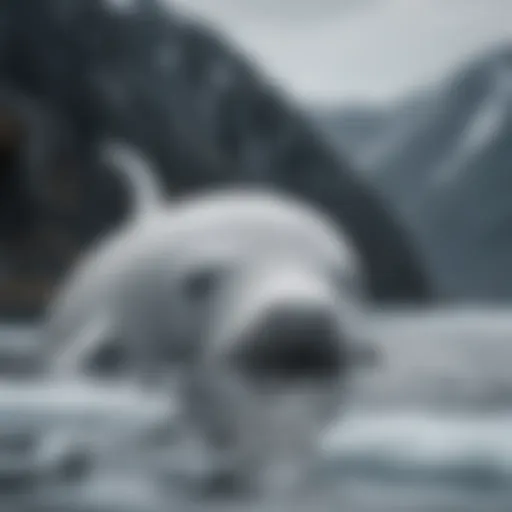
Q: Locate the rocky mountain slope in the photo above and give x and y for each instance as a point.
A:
(184, 95)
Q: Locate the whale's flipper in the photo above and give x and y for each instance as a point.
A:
(75, 356)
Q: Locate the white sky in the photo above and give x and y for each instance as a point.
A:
(339, 50)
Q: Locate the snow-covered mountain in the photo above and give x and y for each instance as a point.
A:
(444, 159)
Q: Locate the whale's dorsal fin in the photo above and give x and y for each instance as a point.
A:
(138, 173)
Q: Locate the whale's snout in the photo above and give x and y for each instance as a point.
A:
(294, 340)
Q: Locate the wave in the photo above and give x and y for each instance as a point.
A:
(421, 446)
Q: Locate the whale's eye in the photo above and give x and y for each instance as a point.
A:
(201, 283)
(109, 361)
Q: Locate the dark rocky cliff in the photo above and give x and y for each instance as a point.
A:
(75, 72)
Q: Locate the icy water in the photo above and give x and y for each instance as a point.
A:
(429, 430)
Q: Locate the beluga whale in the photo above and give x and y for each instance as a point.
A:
(244, 303)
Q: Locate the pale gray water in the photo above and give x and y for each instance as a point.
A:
(431, 430)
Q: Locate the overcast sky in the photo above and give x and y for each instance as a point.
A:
(339, 50)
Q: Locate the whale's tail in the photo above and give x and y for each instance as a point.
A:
(140, 176)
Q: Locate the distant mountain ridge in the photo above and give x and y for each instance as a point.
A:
(444, 159)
